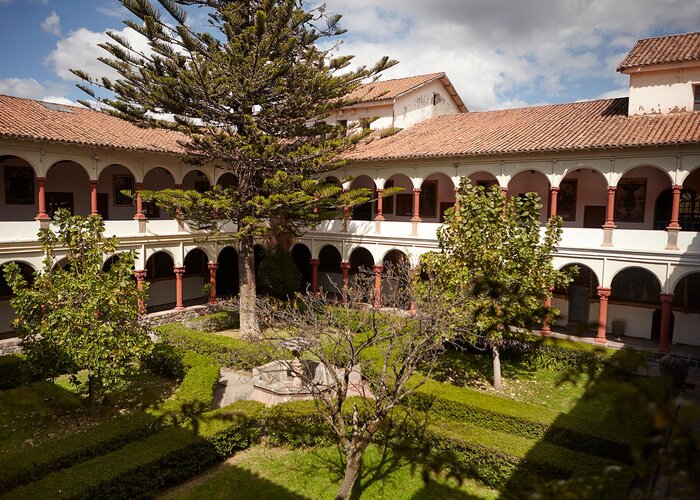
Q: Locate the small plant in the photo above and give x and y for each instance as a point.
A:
(389, 131)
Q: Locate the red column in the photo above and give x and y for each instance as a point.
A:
(504, 191)
(213, 266)
(666, 301)
(603, 295)
(675, 208)
(456, 200)
(378, 286)
(380, 203)
(345, 268)
(553, 196)
(139, 203)
(314, 275)
(546, 329)
(93, 197)
(179, 272)
(42, 215)
(610, 214)
(140, 277)
(416, 206)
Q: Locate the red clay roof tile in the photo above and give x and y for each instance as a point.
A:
(664, 49)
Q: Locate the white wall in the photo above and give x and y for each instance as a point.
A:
(16, 212)
(70, 178)
(637, 319)
(156, 179)
(105, 184)
(417, 106)
(686, 328)
(663, 91)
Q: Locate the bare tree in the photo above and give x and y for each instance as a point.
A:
(353, 349)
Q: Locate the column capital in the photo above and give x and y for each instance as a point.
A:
(212, 266)
(666, 298)
(554, 189)
(612, 189)
(676, 187)
(604, 292)
(315, 262)
(179, 271)
(378, 268)
(344, 266)
(93, 183)
(140, 274)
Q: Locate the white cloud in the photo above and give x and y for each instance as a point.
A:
(21, 87)
(52, 24)
(60, 100)
(621, 92)
(496, 52)
(118, 12)
(79, 50)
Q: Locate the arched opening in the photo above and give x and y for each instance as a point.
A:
(227, 273)
(686, 303)
(197, 181)
(578, 297)
(364, 211)
(19, 189)
(67, 187)
(62, 263)
(399, 206)
(227, 180)
(330, 277)
(112, 203)
(361, 260)
(393, 294)
(635, 191)
(688, 210)
(634, 297)
(484, 179)
(7, 314)
(582, 198)
(302, 258)
(531, 181)
(196, 275)
(111, 260)
(160, 274)
(437, 194)
(156, 179)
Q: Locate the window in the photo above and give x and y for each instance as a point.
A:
(696, 97)
(19, 185)
(428, 199)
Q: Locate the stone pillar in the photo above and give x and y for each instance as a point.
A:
(553, 197)
(603, 295)
(416, 206)
(666, 301)
(213, 266)
(609, 225)
(674, 226)
(378, 286)
(345, 268)
(380, 202)
(93, 197)
(139, 203)
(140, 277)
(42, 215)
(179, 272)
(314, 275)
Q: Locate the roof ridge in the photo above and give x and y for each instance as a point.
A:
(537, 106)
(668, 36)
(47, 102)
(406, 78)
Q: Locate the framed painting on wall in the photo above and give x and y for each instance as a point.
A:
(630, 200)
(566, 202)
(19, 185)
(123, 183)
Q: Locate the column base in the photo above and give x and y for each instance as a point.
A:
(43, 220)
(142, 225)
(608, 236)
(414, 227)
(601, 340)
(663, 349)
(672, 242)
(545, 330)
(180, 308)
(378, 226)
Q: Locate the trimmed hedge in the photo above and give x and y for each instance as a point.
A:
(231, 352)
(194, 395)
(143, 468)
(215, 322)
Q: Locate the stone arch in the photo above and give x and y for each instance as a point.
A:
(173, 172)
(81, 161)
(26, 269)
(61, 263)
(686, 292)
(68, 186)
(20, 197)
(529, 181)
(159, 265)
(23, 158)
(111, 203)
(227, 179)
(398, 206)
(626, 170)
(582, 197)
(155, 179)
(196, 180)
(302, 258)
(329, 259)
(361, 259)
(110, 260)
(635, 284)
(196, 262)
(436, 196)
(395, 257)
(135, 172)
(227, 272)
(589, 275)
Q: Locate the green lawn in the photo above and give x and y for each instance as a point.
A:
(276, 473)
(31, 414)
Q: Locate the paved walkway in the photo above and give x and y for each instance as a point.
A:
(233, 386)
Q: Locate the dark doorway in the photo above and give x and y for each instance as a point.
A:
(656, 327)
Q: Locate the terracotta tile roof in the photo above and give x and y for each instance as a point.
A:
(663, 49)
(391, 89)
(29, 119)
(559, 127)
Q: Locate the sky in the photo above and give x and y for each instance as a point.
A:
(497, 53)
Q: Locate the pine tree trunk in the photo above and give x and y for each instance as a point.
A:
(352, 470)
(247, 294)
(497, 379)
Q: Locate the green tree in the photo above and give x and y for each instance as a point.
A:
(250, 93)
(496, 258)
(80, 317)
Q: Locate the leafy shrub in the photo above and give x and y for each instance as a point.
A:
(13, 371)
(297, 424)
(215, 322)
(230, 352)
(278, 273)
(166, 361)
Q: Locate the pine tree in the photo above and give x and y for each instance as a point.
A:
(250, 93)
